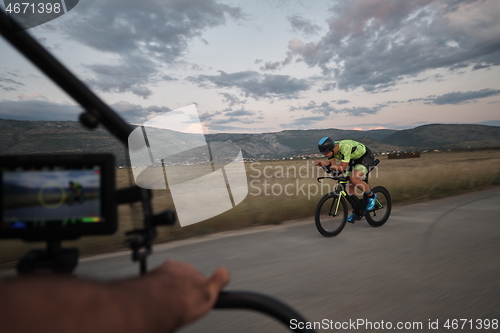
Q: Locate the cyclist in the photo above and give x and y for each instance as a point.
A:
(356, 159)
(76, 190)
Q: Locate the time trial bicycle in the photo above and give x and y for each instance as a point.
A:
(332, 209)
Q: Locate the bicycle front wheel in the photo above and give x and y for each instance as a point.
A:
(331, 215)
(379, 215)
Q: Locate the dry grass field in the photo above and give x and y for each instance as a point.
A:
(284, 190)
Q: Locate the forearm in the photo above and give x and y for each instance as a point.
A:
(169, 297)
(336, 167)
(70, 305)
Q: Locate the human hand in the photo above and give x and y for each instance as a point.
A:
(322, 163)
(184, 292)
(165, 299)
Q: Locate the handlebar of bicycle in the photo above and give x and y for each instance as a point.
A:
(261, 303)
(336, 175)
(341, 176)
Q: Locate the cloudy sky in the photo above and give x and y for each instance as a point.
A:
(266, 66)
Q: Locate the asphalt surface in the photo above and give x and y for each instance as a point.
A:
(431, 262)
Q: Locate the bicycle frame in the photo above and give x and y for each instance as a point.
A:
(355, 202)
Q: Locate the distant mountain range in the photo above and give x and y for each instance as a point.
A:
(445, 136)
(35, 137)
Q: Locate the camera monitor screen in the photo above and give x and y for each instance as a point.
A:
(57, 197)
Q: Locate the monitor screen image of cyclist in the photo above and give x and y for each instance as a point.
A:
(76, 190)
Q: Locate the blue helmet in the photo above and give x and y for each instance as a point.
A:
(326, 144)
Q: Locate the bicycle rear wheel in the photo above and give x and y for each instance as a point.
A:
(331, 215)
(380, 214)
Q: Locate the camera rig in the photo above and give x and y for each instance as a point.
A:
(97, 112)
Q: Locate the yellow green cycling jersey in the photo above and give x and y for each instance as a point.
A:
(349, 150)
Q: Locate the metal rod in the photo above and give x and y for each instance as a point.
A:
(66, 80)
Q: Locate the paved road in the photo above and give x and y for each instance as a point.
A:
(435, 260)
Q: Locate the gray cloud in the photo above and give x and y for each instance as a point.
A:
(217, 120)
(305, 27)
(7, 88)
(419, 99)
(141, 91)
(239, 113)
(455, 97)
(133, 113)
(15, 73)
(271, 66)
(150, 111)
(38, 107)
(342, 101)
(230, 113)
(328, 87)
(206, 116)
(11, 81)
(375, 44)
(361, 111)
(130, 75)
(304, 122)
(464, 97)
(254, 84)
(9, 84)
(232, 99)
(229, 120)
(157, 30)
(326, 109)
(302, 25)
(480, 66)
(168, 78)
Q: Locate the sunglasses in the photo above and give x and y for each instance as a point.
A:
(326, 151)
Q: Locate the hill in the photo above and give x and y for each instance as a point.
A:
(36, 137)
(380, 147)
(442, 135)
(294, 142)
(474, 144)
(49, 137)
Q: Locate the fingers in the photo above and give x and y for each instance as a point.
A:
(183, 290)
(186, 272)
(219, 279)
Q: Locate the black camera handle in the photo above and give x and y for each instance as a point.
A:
(141, 241)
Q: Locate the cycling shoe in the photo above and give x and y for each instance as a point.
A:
(371, 202)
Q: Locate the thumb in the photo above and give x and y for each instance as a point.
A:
(219, 279)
